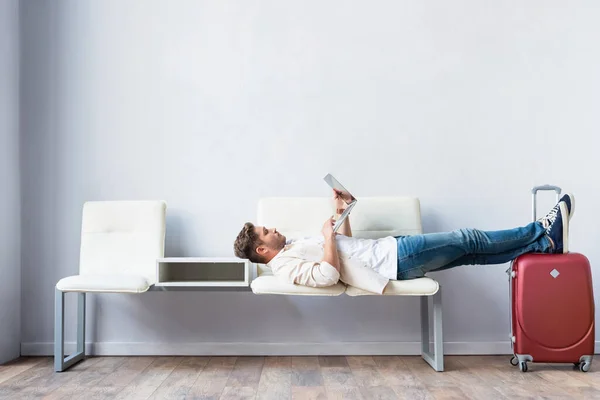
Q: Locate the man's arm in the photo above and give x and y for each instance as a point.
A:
(345, 228)
(306, 273)
(330, 249)
(310, 273)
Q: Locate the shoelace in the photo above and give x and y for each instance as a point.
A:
(549, 219)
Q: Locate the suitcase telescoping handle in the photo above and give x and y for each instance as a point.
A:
(534, 194)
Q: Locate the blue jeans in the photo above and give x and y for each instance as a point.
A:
(420, 254)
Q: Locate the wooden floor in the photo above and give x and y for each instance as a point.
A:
(389, 377)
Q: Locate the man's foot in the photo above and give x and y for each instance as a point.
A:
(569, 200)
(556, 223)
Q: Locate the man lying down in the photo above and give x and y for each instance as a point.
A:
(369, 264)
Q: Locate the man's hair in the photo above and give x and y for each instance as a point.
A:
(246, 243)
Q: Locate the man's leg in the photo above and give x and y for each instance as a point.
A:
(420, 254)
(541, 246)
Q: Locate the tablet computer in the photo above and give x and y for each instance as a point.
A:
(345, 195)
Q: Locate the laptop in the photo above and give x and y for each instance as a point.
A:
(346, 197)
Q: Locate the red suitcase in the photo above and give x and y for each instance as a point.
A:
(552, 311)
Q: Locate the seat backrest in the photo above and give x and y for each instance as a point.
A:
(122, 237)
(372, 217)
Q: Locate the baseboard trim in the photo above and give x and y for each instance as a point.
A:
(264, 349)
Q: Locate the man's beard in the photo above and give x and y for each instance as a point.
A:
(281, 243)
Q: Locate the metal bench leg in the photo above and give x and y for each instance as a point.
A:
(436, 360)
(60, 362)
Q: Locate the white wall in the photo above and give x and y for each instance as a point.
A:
(10, 228)
(212, 104)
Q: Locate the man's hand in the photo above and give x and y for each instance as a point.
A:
(339, 198)
(338, 201)
(328, 228)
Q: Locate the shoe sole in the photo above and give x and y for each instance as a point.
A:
(572, 198)
(564, 212)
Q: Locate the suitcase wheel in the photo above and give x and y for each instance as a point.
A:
(513, 361)
(585, 366)
(523, 366)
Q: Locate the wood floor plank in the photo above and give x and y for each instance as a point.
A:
(475, 392)
(274, 392)
(344, 393)
(361, 361)
(591, 378)
(333, 361)
(389, 362)
(428, 377)
(41, 368)
(213, 379)
(413, 393)
(368, 376)
(563, 378)
(447, 393)
(307, 377)
(209, 389)
(309, 393)
(16, 367)
(583, 393)
(238, 393)
(126, 372)
(306, 371)
(338, 377)
(275, 376)
(399, 377)
(146, 382)
(90, 374)
(38, 381)
(276, 379)
(463, 373)
(135, 393)
(180, 381)
(305, 362)
(278, 361)
(378, 392)
(87, 363)
(88, 393)
(530, 384)
(246, 372)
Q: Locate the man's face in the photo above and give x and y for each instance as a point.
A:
(270, 237)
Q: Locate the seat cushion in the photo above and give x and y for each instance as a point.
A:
(271, 285)
(102, 283)
(412, 287)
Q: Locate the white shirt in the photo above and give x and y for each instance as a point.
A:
(381, 255)
(301, 262)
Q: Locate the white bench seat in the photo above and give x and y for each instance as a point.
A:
(414, 287)
(272, 285)
(104, 283)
